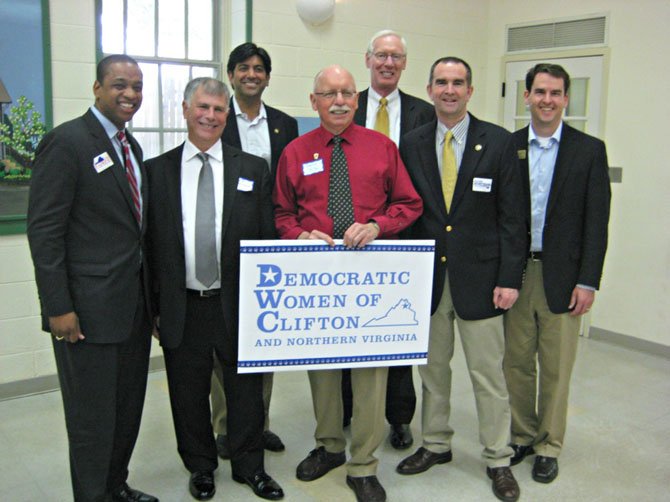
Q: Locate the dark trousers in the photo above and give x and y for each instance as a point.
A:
(189, 372)
(400, 395)
(103, 387)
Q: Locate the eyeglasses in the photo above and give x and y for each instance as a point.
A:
(333, 94)
(381, 57)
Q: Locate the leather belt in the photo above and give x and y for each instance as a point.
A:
(535, 255)
(205, 293)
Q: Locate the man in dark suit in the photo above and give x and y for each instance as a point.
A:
(566, 201)
(386, 58)
(264, 131)
(465, 171)
(86, 225)
(208, 196)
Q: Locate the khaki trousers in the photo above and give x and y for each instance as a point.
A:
(537, 338)
(483, 345)
(218, 399)
(368, 386)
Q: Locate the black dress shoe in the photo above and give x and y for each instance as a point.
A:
(318, 463)
(201, 485)
(401, 436)
(367, 489)
(222, 446)
(520, 452)
(422, 460)
(262, 485)
(504, 485)
(125, 493)
(545, 469)
(272, 442)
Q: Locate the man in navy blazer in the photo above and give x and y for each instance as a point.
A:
(566, 200)
(480, 246)
(197, 320)
(259, 129)
(386, 58)
(86, 226)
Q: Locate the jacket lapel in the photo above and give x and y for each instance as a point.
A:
(172, 171)
(361, 113)
(430, 168)
(521, 142)
(567, 149)
(475, 146)
(231, 176)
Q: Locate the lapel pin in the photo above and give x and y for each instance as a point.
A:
(478, 148)
(316, 156)
(276, 131)
(521, 154)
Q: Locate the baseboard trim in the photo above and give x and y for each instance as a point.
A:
(630, 342)
(49, 383)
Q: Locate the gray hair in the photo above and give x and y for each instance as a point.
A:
(209, 85)
(386, 33)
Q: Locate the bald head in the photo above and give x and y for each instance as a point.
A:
(334, 98)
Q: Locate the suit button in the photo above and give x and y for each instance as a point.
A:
(443, 259)
(448, 228)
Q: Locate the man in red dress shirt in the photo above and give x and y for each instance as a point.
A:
(384, 203)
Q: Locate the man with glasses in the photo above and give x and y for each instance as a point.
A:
(378, 200)
(387, 109)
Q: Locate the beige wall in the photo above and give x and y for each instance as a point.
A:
(637, 273)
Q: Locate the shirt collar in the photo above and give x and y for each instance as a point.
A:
(190, 151)
(459, 131)
(347, 135)
(375, 96)
(534, 137)
(107, 124)
(239, 113)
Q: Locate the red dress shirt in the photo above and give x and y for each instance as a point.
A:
(381, 189)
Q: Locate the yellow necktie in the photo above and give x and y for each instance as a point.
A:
(449, 172)
(382, 120)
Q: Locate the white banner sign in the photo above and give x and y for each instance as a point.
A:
(305, 305)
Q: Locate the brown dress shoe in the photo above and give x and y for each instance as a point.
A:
(367, 489)
(504, 485)
(422, 460)
(545, 469)
(318, 463)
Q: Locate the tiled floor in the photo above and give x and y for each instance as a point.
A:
(616, 449)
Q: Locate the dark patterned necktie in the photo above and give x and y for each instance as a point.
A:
(340, 207)
(206, 264)
(130, 175)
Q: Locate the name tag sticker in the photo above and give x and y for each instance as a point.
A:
(102, 162)
(482, 184)
(245, 185)
(316, 166)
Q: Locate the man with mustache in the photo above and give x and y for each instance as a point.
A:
(343, 162)
(259, 129)
(385, 108)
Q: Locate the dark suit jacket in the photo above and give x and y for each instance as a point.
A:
(282, 127)
(481, 243)
(413, 111)
(246, 215)
(84, 238)
(574, 238)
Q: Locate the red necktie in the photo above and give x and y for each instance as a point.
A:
(130, 174)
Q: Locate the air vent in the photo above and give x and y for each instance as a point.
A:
(579, 32)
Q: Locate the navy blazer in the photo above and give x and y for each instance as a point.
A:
(282, 128)
(574, 238)
(413, 111)
(86, 245)
(481, 242)
(246, 215)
